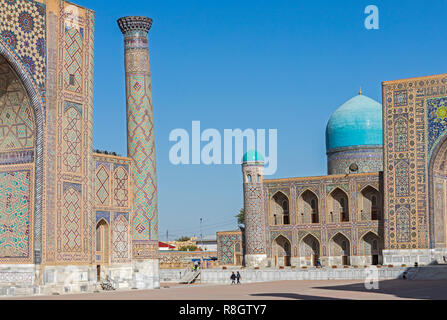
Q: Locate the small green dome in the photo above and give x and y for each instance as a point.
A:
(253, 156)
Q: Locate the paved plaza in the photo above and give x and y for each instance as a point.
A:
(282, 290)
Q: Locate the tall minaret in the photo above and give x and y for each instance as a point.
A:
(255, 241)
(141, 149)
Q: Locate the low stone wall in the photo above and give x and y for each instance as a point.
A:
(183, 259)
(268, 275)
(171, 275)
(219, 276)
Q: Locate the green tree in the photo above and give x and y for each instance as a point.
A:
(183, 239)
(188, 248)
(241, 217)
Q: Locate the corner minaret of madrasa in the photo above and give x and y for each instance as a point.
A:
(253, 177)
(141, 149)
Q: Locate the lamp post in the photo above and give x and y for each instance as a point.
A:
(201, 240)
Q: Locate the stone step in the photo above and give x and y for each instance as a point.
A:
(438, 272)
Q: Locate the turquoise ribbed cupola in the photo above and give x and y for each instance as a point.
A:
(358, 122)
(253, 156)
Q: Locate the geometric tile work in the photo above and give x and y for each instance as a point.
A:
(253, 196)
(73, 58)
(226, 246)
(140, 136)
(403, 223)
(142, 151)
(74, 169)
(366, 159)
(102, 185)
(112, 203)
(421, 102)
(22, 27)
(16, 115)
(103, 215)
(71, 218)
(402, 178)
(72, 139)
(401, 133)
(437, 120)
(120, 238)
(120, 186)
(16, 215)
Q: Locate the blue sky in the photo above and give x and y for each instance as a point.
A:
(285, 65)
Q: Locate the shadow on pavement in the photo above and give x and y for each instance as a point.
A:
(293, 296)
(406, 289)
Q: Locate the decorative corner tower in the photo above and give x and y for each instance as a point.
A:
(141, 149)
(253, 177)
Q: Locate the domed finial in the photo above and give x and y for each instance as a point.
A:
(360, 92)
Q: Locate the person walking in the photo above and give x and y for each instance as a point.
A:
(233, 278)
(238, 277)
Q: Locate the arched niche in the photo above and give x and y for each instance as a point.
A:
(308, 208)
(279, 209)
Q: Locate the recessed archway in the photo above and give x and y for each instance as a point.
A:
(102, 242)
(310, 249)
(438, 195)
(8, 58)
(370, 204)
(338, 206)
(370, 248)
(340, 249)
(282, 251)
(308, 208)
(279, 209)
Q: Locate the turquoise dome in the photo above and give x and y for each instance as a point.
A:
(358, 122)
(253, 156)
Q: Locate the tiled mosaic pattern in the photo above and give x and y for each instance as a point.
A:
(140, 135)
(417, 104)
(22, 27)
(16, 203)
(226, 245)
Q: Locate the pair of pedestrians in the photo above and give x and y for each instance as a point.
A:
(235, 277)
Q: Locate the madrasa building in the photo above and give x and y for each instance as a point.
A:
(383, 200)
(71, 217)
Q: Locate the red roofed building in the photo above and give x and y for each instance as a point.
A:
(165, 246)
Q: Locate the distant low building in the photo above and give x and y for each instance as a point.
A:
(165, 246)
(208, 243)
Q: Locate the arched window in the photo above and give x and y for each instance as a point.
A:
(338, 204)
(238, 247)
(369, 204)
(279, 209)
(249, 178)
(308, 207)
(259, 178)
